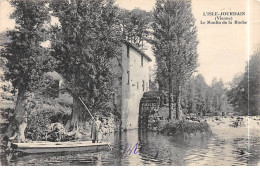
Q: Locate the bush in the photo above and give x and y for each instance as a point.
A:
(44, 112)
(37, 125)
(173, 127)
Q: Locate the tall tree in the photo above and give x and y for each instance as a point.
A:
(175, 45)
(194, 95)
(88, 37)
(209, 100)
(201, 88)
(135, 25)
(188, 95)
(27, 60)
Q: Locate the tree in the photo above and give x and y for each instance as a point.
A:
(175, 46)
(253, 83)
(219, 98)
(245, 95)
(201, 88)
(194, 95)
(88, 37)
(209, 100)
(135, 25)
(200, 98)
(27, 60)
(188, 95)
(236, 80)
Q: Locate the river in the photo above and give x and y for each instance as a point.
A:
(151, 148)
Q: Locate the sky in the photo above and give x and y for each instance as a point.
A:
(223, 49)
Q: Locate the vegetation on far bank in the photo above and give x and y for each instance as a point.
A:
(175, 127)
(244, 94)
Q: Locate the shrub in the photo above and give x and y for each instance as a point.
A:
(44, 112)
(173, 127)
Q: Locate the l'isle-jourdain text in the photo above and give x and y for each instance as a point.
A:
(224, 18)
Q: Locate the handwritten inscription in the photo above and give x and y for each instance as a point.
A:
(133, 150)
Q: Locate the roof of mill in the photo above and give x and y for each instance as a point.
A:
(138, 50)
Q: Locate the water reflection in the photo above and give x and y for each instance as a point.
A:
(154, 149)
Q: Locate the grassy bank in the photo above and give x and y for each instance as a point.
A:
(175, 127)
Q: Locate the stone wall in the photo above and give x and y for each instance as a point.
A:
(131, 80)
(132, 88)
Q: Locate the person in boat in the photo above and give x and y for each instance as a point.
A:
(96, 130)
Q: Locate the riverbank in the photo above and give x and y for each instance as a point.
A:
(248, 128)
(175, 126)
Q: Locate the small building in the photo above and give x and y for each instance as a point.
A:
(131, 80)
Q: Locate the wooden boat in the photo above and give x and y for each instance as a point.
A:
(47, 147)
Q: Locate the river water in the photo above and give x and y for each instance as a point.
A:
(151, 148)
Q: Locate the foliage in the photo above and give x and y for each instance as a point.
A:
(27, 60)
(88, 37)
(7, 115)
(194, 94)
(218, 95)
(48, 86)
(37, 124)
(236, 80)
(175, 45)
(174, 127)
(198, 97)
(245, 95)
(44, 112)
(136, 25)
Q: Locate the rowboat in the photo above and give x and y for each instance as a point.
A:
(49, 147)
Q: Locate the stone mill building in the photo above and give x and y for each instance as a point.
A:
(132, 80)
